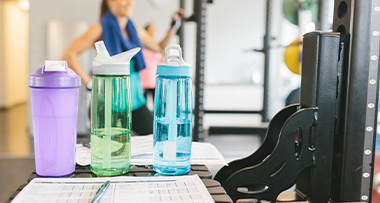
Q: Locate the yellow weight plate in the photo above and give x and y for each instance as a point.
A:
(292, 57)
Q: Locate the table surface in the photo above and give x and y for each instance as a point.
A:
(215, 189)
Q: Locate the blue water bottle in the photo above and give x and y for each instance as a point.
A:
(173, 112)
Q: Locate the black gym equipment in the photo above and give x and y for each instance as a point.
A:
(325, 144)
(199, 17)
(290, 143)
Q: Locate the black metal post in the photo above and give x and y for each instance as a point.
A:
(200, 16)
(320, 88)
(358, 23)
(267, 56)
(182, 29)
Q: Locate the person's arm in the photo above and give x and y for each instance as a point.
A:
(151, 44)
(166, 40)
(80, 45)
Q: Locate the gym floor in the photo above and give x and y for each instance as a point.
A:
(17, 158)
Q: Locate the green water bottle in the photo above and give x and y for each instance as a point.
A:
(111, 112)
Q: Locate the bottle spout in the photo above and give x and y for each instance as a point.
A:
(173, 63)
(125, 57)
(102, 51)
(116, 64)
(121, 58)
(173, 56)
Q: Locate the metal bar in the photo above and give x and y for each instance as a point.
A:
(182, 4)
(230, 112)
(200, 12)
(371, 105)
(352, 173)
(267, 55)
(223, 130)
(323, 9)
(343, 22)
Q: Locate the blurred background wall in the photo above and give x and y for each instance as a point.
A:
(233, 74)
(41, 11)
(14, 52)
(2, 88)
(53, 26)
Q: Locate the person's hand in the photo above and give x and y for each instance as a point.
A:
(179, 14)
(177, 19)
(176, 24)
(89, 85)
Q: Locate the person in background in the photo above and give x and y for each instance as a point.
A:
(152, 58)
(120, 34)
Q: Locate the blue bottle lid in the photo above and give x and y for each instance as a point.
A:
(174, 65)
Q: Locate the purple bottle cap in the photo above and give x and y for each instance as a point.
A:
(55, 74)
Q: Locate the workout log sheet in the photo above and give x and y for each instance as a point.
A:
(121, 189)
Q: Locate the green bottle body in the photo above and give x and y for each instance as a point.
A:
(110, 125)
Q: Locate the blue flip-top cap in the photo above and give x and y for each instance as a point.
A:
(174, 65)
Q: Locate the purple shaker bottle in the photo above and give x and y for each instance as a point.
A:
(54, 93)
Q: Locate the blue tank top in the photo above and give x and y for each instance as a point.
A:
(137, 92)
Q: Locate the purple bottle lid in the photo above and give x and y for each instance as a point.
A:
(54, 74)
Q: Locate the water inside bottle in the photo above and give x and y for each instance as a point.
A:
(181, 164)
(120, 152)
